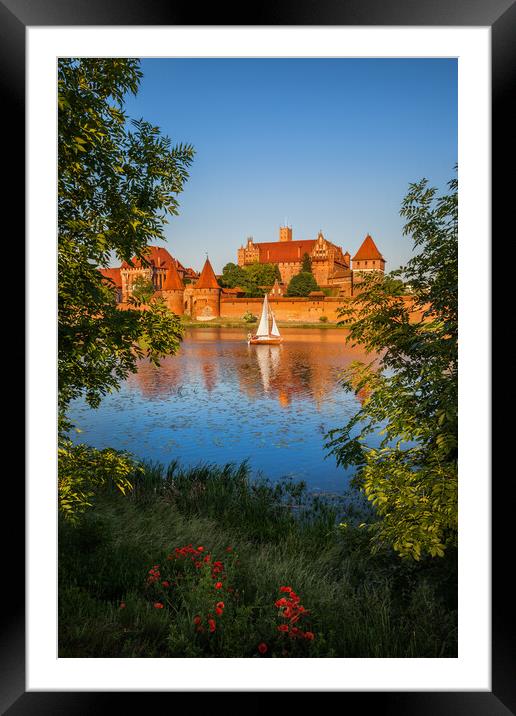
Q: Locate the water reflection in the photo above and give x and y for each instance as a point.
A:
(222, 400)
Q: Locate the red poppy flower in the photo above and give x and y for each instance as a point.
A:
(200, 549)
(158, 605)
(283, 627)
(212, 625)
(165, 584)
(218, 585)
(309, 635)
(262, 648)
(218, 611)
(197, 619)
(220, 605)
(122, 605)
(285, 589)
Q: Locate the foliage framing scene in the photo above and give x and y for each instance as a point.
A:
(211, 557)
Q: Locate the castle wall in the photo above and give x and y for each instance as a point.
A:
(288, 270)
(285, 309)
(322, 271)
(291, 309)
(207, 304)
(202, 304)
(174, 300)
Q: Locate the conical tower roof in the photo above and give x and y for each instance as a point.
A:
(173, 280)
(207, 279)
(368, 250)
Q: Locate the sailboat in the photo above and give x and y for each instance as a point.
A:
(265, 333)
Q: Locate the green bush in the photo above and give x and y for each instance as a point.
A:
(83, 470)
(302, 284)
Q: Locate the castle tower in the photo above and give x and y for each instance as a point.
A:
(173, 290)
(248, 254)
(206, 295)
(285, 233)
(368, 258)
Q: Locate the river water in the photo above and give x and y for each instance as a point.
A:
(219, 400)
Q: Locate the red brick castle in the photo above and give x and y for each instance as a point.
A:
(201, 297)
(330, 265)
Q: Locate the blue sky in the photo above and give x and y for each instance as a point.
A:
(328, 144)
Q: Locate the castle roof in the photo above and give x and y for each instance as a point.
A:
(284, 251)
(341, 273)
(233, 291)
(172, 281)
(368, 250)
(207, 279)
(113, 274)
(156, 256)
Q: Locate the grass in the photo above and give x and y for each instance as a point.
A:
(359, 605)
(237, 323)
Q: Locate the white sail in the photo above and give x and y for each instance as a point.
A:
(274, 329)
(263, 328)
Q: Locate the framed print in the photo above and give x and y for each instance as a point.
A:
(282, 64)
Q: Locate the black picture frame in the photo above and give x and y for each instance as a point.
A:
(500, 16)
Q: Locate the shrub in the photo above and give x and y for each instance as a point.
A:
(302, 284)
(323, 319)
(249, 317)
(83, 470)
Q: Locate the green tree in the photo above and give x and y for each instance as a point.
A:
(143, 289)
(250, 278)
(306, 266)
(302, 284)
(233, 276)
(409, 390)
(259, 274)
(117, 182)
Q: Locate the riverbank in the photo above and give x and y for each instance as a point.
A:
(206, 563)
(236, 323)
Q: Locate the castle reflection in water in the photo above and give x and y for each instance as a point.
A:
(222, 400)
(307, 365)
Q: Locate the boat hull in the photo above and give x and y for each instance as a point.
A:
(265, 341)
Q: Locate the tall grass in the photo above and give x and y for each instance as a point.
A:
(360, 605)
